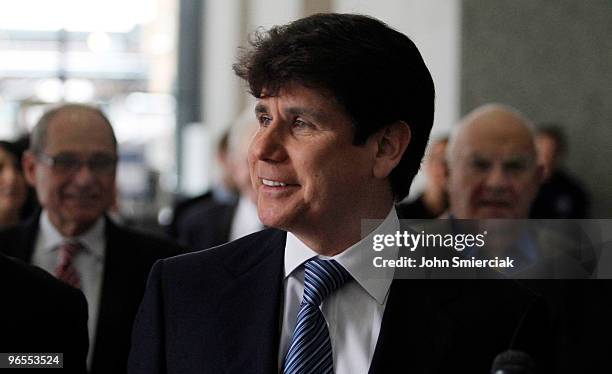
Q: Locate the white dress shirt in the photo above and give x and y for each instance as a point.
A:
(354, 312)
(89, 263)
(246, 220)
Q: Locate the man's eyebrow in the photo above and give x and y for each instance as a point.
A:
(261, 108)
(528, 159)
(317, 115)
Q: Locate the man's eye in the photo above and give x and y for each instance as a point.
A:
(264, 120)
(481, 165)
(516, 166)
(101, 162)
(66, 161)
(300, 124)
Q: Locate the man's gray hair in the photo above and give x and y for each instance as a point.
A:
(38, 138)
(469, 118)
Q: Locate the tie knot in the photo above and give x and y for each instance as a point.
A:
(321, 278)
(70, 248)
(65, 270)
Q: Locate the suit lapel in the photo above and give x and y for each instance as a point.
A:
(250, 306)
(112, 309)
(224, 224)
(25, 249)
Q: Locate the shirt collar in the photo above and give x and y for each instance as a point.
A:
(91, 239)
(357, 259)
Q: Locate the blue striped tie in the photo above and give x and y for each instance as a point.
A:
(310, 350)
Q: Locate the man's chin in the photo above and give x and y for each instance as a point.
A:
(494, 213)
(275, 217)
(84, 216)
(273, 220)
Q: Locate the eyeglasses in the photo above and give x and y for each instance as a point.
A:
(67, 163)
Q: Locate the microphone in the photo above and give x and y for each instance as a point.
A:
(513, 362)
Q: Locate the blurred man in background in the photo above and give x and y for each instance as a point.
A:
(17, 199)
(72, 163)
(223, 192)
(494, 174)
(492, 165)
(434, 200)
(41, 314)
(212, 222)
(561, 195)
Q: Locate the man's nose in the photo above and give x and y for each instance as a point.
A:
(9, 175)
(498, 178)
(84, 175)
(269, 144)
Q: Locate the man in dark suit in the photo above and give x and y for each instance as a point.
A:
(41, 314)
(213, 222)
(561, 194)
(71, 163)
(206, 224)
(345, 107)
(217, 205)
(494, 173)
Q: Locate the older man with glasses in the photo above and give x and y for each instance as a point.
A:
(72, 165)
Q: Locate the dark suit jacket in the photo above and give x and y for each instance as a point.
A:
(181, 207)
(40, 314)
(561, 196)
(581, 310)
(129, 257)
(218, 311)
(205, 224)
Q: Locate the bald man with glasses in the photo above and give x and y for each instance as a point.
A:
(72, 164)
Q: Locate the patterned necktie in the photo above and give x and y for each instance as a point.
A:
(65, 270)
(310, 350)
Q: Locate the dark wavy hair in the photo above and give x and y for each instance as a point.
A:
(375, 73)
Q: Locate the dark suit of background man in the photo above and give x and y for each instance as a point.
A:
(210, 223)
(71, 163)
(345, 106)
(41, 314)
(561, 194)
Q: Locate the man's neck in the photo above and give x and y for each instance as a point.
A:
(9, 218)
(70, 229)
(330, 241)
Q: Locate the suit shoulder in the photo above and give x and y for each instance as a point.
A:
(10, 231)
(10, 237)
(244, 251)
(204, 211)
(36, 283)
(145, 242)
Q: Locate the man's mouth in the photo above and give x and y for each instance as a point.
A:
(271, 183)
(9, 192)
(495, 203)
(81, 196)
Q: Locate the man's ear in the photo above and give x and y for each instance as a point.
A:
(392, 141)
(28, 164)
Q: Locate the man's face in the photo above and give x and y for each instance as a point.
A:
(307, 173)
(547, 153)
(493, 172)
(435, 165)
(13, 189)
(74, 199)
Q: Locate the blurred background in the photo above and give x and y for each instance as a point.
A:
(161, 70)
